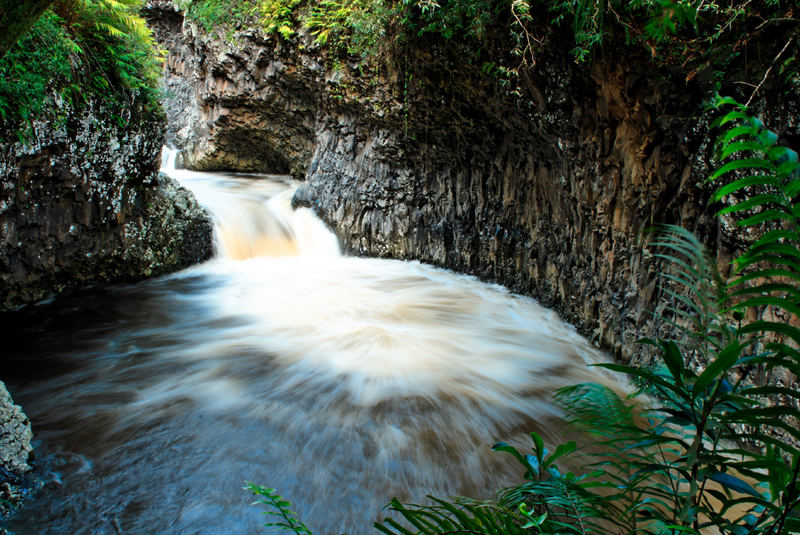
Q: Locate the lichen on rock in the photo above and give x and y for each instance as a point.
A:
(15, 451)
(82, 203)
(15, 435)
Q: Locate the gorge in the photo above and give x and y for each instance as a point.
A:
(280, 343)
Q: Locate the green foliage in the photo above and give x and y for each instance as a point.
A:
(359, 26)
(552, 500)
(29, 68)
(77, 50)
(672, 30)
(226, 13)
(462, 516)
(772, 173)
(505, 37)
(117, 43)
(278, 16)
(286, 519)
(451, 19)
(353, 26)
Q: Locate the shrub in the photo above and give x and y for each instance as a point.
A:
(77, 50)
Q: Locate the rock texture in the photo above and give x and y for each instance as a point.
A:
(550, 194)
(237, 108)
(15, 450)
(15, 435)
(83, 203)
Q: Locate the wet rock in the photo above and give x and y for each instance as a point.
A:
(15, 451)
(15, 436)
(82, 202)
(235, 104)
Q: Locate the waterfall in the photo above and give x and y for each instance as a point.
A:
(253, 214)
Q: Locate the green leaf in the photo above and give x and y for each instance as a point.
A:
(539, 446)
(561, 450)
(771, 273)
(735, 115)
(769, 288)
(762, 326)
(502, 446)
(771, 391)
(787, 304)
(673, 359)
(754, 202)
(724, 361)
(765, 217)
(747, 163)
(746, 182)
(733, 483)
(740, 146)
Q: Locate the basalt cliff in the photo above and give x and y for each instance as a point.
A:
(82, 202)
(425, 156)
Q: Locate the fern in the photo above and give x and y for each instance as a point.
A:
(462, 516)
(768, 175)
(279, 508)
(77, 50)
(696, 291)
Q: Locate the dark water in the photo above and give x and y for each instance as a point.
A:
(340, 381)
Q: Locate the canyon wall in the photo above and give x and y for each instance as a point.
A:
(426, 157)
(82, 202)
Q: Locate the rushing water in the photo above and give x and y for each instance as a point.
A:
(341, 381)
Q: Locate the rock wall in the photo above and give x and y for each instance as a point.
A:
(552, 199)
(83, 202)
(428, 158)
(15, 449)
(246, 108)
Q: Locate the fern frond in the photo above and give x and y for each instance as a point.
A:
(696, 290)
(287, 519)
(461, 516)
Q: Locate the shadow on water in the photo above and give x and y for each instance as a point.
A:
(340, 381)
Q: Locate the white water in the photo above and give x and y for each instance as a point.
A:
(379, 329)
(341, 381)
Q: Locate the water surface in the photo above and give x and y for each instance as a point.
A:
(340, 381)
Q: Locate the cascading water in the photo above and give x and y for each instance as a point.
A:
(340, 381)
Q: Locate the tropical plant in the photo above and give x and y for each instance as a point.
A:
(76, 50)
(460, 516)
(359, 26)
(278, 507)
